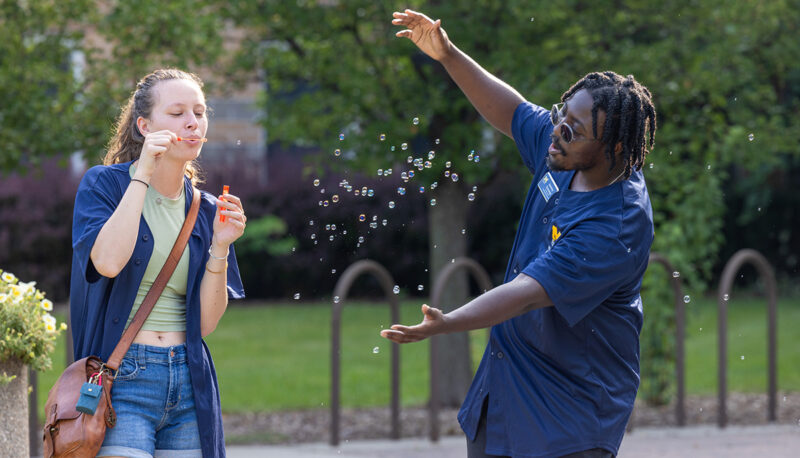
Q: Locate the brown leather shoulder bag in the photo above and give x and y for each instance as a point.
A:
(71, 433)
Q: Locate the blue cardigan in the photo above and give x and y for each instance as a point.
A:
(100, 306)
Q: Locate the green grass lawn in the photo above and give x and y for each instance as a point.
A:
(278, 356)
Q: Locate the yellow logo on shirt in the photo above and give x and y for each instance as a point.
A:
(556, 234)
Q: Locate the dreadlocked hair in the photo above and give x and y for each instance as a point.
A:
(630, 116)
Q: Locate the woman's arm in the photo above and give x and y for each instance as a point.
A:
(214, 285)
(116, 240)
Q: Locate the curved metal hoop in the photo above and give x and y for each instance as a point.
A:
(343, 285)
(484, 283)
(680, 333)
(766, 272)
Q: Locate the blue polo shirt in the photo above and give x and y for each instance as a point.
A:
(563, 379)
(100, 306)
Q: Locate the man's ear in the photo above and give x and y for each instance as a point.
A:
(618, 148)
(141, 124)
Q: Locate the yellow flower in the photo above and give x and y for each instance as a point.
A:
(63, 326)
(39, 296)
(47, 305)
(49, 319)
(16, 291)
(51, 327)
(3, 298)
(32, 355)
(8, 277)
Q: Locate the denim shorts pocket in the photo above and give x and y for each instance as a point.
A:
(128, 370)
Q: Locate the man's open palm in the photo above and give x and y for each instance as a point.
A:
(428, 35)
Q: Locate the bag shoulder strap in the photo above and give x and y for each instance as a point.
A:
(158, 285)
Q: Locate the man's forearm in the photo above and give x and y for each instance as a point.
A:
(497, 305)
(493, 98)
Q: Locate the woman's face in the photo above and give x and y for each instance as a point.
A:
(179, 106)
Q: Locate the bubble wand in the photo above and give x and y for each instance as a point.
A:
(225, 189)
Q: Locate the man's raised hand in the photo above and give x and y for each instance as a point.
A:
(428, 35)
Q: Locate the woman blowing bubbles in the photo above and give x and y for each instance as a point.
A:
(128, 213)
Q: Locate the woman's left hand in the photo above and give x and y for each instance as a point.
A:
(227, 232)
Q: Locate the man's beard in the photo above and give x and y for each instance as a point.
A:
(552, 165)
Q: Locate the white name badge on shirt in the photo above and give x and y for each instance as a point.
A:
(547, 186)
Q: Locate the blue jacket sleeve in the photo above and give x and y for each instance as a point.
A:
(582, 269)
(531, 128)
(95, 202)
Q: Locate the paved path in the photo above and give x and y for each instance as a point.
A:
(774, 441)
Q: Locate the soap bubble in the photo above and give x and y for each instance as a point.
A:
(725, 297)
(409, 159)
(428, 164)
(337, 152)
(382, 137)
(422, 189)
(454, 176)
(327, 227)
(401, 191)
(361, 239)
(325, 203)
(380, 172)
(311, 222)
(391, 204)
(330, 238)
(448, 164)
(316, 181)
(446, 173)
(341, 137)
(370, 193)
(420, 287)
(411, 174)
(437, 141)
(333, 227)
(415, 121)
(433, 202)
(686, 299)
(362, 217)
(396, 289)
(376, 350)
(463, 231)
(751, 137)
(404, 146)
(296, 296)
(384, 222)
(475, 188)
(431, 155)
(676, 274)
(477, 158)
(336, 299)
(335, 198)
(471, 197)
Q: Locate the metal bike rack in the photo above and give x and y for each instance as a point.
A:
(680, 333)
(766, 272)
(342, 288)
(484, 283)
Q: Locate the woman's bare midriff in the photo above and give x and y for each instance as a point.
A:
(160, 339)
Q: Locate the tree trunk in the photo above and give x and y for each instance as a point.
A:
(14, 405)
(446, 220)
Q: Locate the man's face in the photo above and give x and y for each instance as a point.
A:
(585, 151)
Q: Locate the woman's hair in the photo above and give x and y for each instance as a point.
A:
(630, 115)
(126, 145)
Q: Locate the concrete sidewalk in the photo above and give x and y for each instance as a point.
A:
(696, 442)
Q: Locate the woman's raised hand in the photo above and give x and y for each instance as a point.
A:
(227, 232)
(428, 35)
(155, 144)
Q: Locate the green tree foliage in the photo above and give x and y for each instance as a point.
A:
(38, 92)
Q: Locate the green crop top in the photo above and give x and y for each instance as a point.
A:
(165, 217)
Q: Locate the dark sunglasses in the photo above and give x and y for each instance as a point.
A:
(557, 116)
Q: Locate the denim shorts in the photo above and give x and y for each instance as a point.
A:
(152, 396)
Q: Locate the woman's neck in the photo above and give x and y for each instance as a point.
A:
(168, 178)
